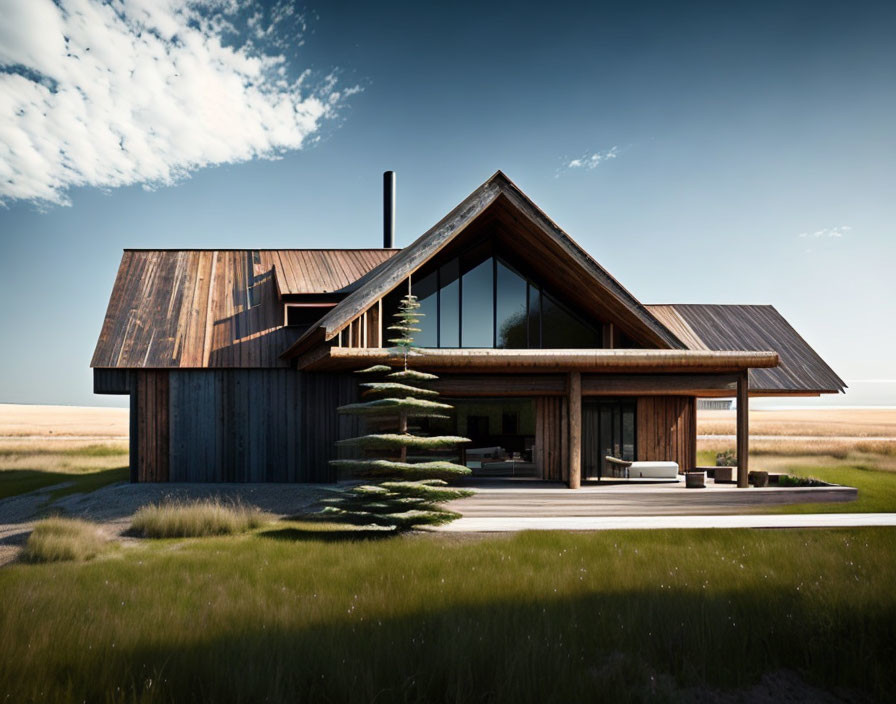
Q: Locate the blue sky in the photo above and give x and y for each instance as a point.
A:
(701, 152)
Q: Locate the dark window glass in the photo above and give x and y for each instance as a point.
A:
(426, 290)
(628, 433)
(510, 308)
(607, 445)
(509, 423)
(534, 317)
(477, 427)
(564, 330)
(477, 317)
(304, 316)
(449, 305)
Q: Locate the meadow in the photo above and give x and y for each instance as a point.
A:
(289, 611)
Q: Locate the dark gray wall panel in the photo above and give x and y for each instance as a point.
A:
(256, 425)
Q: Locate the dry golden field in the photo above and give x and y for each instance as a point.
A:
(843, 422)
(782, 440)
(19, 420)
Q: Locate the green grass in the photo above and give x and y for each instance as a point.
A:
(195, 519)
(877, 489)
(289, 614)
(868, 473)
(26, 467)
(63, 539)
(20, 481)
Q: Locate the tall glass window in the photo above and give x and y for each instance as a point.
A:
(477, 309)
(480, 301)
(562, 330)
(449, 304)
(510, 308)
(534, 317)
(427, 292)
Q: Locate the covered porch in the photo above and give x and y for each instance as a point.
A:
(554, 415)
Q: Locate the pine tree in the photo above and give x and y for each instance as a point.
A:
(408, 488)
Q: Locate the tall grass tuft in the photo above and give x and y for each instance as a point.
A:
(196, 519)
(62, 539)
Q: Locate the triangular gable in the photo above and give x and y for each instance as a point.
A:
(498, 188)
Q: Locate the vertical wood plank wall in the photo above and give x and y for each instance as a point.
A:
(667, 429)
(280, 425)
(238, 425)
(151, 422)
(552, 438)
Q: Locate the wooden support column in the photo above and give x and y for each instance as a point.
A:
(743, 431)
(575, 430)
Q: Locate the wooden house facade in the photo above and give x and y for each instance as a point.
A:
(235, 361)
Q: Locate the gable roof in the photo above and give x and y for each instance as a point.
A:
(397, 269)
(750, 327)
(216, 308)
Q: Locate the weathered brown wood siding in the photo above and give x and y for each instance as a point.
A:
(238, 425)
(552, 438)
(667, 429)
(150, 401)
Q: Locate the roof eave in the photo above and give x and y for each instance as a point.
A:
(544, 360)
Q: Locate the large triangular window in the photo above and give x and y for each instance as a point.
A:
(480, 300)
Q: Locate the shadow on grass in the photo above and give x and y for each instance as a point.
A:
(15, 482)
(324, 533)
(642, 645)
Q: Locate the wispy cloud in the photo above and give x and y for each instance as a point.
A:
(593, 160)
(827, 233)
(124, 92)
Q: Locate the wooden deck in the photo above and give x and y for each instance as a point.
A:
(629, 498)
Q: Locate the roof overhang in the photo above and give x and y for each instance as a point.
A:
(510, 361)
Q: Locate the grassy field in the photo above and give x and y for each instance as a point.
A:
(292, 612)
(71, 465)
(286, 614)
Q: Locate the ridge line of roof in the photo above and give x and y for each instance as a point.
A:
(262, 249)
(752, 305)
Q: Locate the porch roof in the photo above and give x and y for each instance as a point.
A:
(542, 360)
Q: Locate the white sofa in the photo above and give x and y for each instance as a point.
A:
(643, 469)
(653, 470)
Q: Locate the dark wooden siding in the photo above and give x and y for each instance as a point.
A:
(151, 403)
(111, 381)
(552, 438)
(667, 430)
(238, 425)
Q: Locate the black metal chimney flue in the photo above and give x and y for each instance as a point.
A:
(388, 209)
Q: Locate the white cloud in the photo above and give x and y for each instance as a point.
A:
(145, 91)
(592, 161)
(827, 233)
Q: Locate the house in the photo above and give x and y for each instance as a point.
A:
(236, 360)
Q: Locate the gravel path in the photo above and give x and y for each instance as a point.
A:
(114, 505)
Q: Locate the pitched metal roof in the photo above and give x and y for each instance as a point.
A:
(216, 308)
(397, 269)
(750, 327)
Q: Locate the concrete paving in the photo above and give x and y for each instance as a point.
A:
(632, 498)
(505, 524)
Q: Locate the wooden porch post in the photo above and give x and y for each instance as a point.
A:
(743, 431)
(575, 430)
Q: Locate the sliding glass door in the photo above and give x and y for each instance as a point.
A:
(608, 429)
